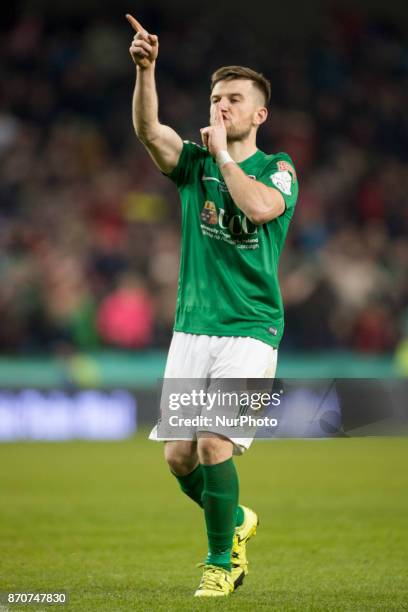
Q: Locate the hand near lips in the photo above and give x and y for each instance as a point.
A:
(214, 137)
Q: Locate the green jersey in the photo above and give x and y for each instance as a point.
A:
(228, 284)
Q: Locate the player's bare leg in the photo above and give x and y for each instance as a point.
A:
(181, 455)
(182, 458)
(212, 448)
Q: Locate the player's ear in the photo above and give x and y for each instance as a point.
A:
(261, 115)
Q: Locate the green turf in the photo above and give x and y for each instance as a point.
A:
(107, 523)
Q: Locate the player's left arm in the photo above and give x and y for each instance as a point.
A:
(257, 201)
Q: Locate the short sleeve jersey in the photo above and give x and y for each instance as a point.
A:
(228, 281)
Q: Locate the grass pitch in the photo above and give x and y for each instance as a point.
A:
(107, 523)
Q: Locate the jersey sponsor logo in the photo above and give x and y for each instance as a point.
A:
(209, 213)
(284, 165)
(236, 224)
(283, 181)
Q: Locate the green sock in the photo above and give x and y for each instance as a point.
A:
(220, 499)
(239, 518)
(193, 484)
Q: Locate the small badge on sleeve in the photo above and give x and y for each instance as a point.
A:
(283, 181)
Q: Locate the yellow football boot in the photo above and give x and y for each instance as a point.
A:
(215, 582)
(242, 535)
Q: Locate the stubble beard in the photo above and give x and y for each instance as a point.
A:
(237, 135)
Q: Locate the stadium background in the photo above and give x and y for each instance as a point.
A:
(89, 248)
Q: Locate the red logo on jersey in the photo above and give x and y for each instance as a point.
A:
(284, 165)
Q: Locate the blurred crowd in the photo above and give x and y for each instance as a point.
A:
(89, 229)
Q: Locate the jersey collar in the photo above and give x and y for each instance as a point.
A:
(250, 160)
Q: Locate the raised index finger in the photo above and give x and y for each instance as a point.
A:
(135, 24)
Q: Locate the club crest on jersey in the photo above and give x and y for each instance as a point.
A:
(209, 213)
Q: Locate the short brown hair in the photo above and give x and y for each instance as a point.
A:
(228, 73)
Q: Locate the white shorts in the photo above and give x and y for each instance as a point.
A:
(197, 356)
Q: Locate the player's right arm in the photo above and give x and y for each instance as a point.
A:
(162, 142)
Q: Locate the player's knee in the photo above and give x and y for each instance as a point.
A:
(181, 457)
(214, 449)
